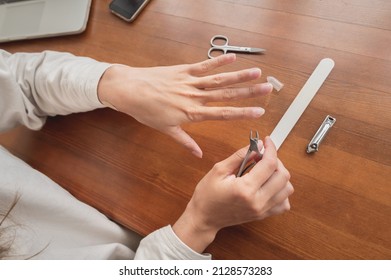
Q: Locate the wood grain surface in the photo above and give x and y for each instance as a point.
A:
(143, 180)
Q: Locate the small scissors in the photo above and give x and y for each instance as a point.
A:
(253, 148)
(226, 48)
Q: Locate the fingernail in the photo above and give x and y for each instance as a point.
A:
(255, 72)
(197, 153)
(267, 86)
(259, 112)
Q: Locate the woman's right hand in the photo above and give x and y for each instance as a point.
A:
(221, 199)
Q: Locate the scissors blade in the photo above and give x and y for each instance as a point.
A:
(257, 50)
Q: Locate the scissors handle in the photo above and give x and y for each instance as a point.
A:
(218, 48)
(224, 48)
(219, 37)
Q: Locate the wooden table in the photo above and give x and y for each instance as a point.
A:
(142, 179)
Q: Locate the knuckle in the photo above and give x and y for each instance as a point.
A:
(252, 91)
(242, 75)
(218, 168)
(283, 172)
(217, 80)
(220, 60)
(205, 66)
(230, 113)
(290, 190)
(286, 174)
(247, 181)
(258, 209)
(271, 164)
(228, 94)
(193, 94)
(226, 113)
(245, 197)
(193, 114)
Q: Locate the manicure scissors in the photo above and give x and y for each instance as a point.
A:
(253, 148)
(224, 48)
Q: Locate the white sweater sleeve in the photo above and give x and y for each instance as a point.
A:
(36, 85)
(163, 244)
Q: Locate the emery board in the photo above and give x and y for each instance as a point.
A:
(301, 102)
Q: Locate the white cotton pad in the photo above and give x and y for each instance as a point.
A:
(277, 85)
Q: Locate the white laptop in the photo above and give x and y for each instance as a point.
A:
(28, 19)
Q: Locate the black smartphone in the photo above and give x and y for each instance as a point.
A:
(127, 9)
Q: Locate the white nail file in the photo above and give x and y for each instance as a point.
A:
(301, 102)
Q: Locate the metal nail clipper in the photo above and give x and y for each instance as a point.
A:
(253, 148)
(313, 146)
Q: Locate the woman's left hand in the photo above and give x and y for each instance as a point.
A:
(164, 98)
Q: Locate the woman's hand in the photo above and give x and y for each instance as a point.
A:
(164, 98)
(221, 199)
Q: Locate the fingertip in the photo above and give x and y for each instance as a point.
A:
(267, 88)
(255, 73)
(258, 112)
(269, 141)
(194, 148)
(226, 58)
(262, 89)
(231, 56)
(183, 138)
(213, 63)
(197, 153)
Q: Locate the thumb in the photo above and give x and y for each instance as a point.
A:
(233, 162)
(184, 139)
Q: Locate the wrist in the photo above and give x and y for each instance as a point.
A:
(106, 86)
(193, 231)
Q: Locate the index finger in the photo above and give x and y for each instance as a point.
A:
(210, 64)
